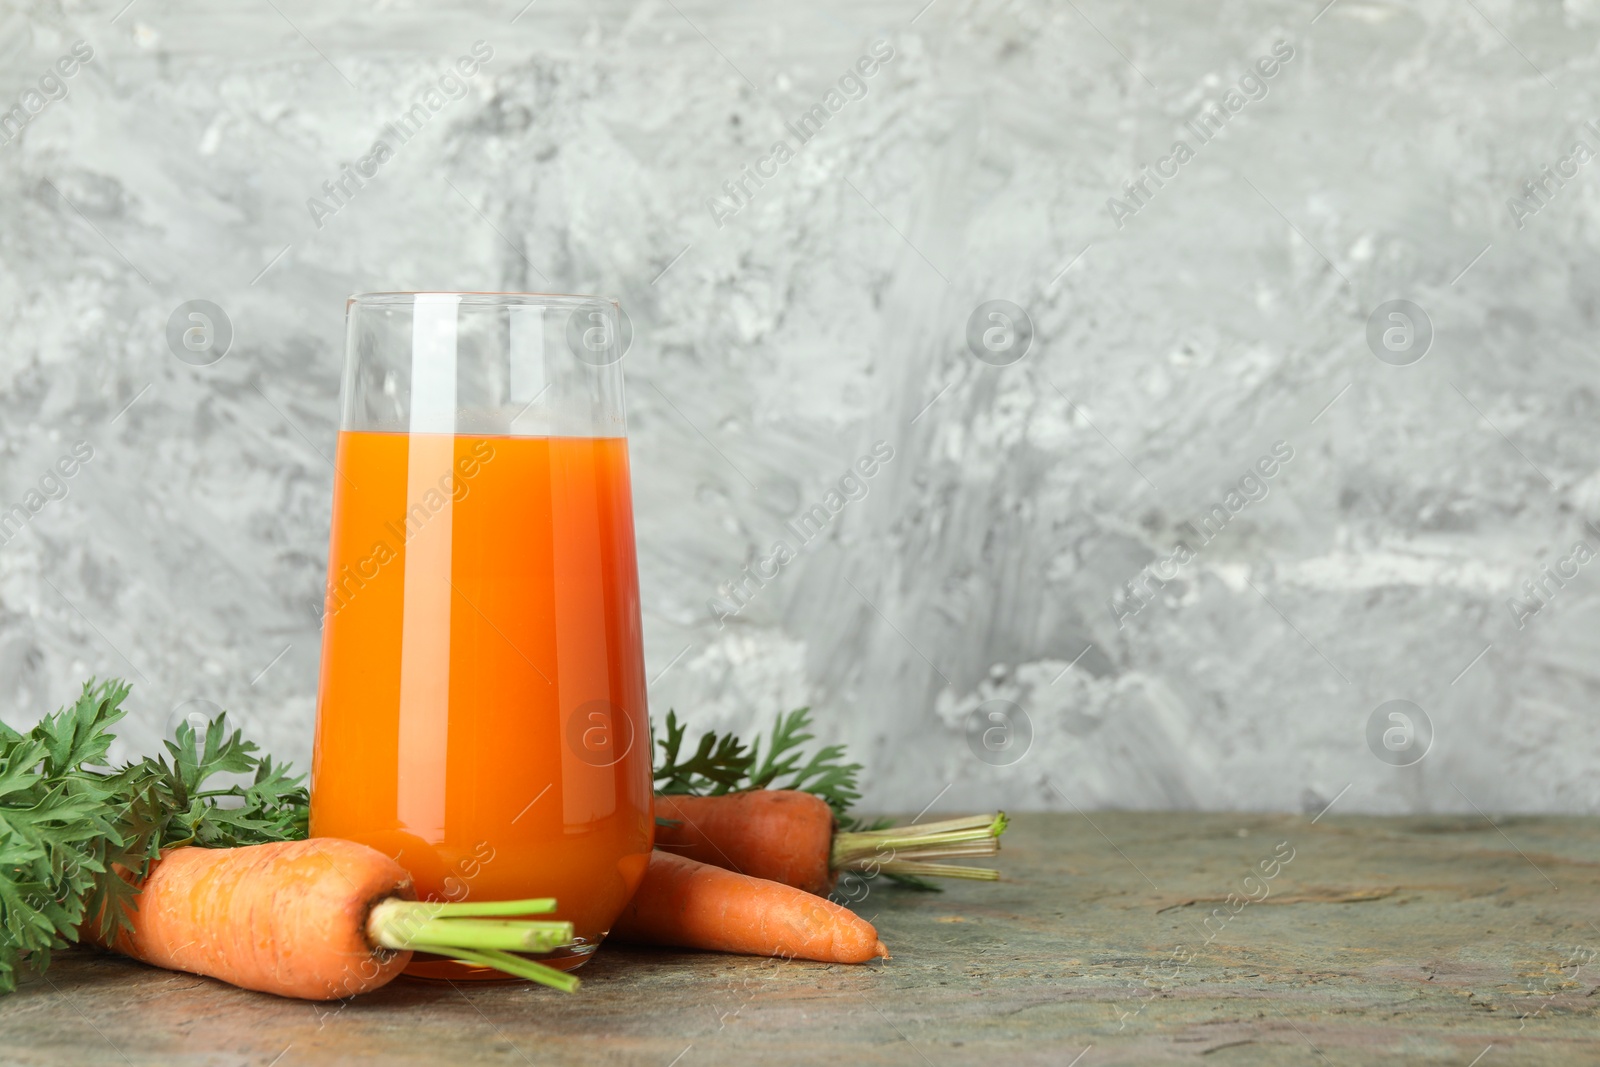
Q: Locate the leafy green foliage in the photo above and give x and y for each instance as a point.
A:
(56, 820)
(66, 820)
(721, 763)
(825, 773)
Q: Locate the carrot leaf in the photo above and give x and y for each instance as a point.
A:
(719, 764)
(825, 773)
(175, 803)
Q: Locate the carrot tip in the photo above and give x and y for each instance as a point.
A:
(880, 949)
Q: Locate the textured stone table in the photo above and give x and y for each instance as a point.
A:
(1444, 940)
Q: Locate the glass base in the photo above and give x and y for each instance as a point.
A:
(430, 968)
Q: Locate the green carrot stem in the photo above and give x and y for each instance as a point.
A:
(995, 822)
(862, 844)
(512, 965)
(405, 924)
(966, 851)
(534, 906)
(940, 870)
(972, 836)
(489, 933)
(456, 931)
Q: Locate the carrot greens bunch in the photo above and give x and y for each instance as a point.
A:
(66, 819)
(721, 763)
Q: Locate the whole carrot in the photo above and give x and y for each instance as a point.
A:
(320, 919)
(685, 904)
(789, 836)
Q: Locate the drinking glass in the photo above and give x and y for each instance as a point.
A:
(481, 710)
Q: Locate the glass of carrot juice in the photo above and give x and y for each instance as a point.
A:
(481, 709)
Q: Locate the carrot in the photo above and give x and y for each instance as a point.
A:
(780, 834)
(319, 919)
(685, 904)
(789, 836)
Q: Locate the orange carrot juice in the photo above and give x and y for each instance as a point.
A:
(481, 715)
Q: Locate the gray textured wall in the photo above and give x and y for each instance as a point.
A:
(1177, 337)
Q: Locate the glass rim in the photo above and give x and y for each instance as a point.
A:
(479, 298)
